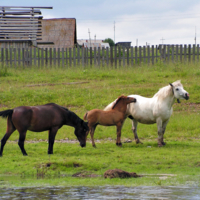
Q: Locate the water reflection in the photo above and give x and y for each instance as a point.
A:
(109, 192)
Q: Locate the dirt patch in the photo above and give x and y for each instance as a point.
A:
(52, 84)
(194, 107)
(118, 173)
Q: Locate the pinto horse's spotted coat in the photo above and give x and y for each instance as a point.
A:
(157, 109)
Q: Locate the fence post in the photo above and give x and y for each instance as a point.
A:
(115, 51)
(2, 56)
(136, 61)
(132, 56)
(54, 57)
(181, 51)
(172, 53)
(197, 52)
(34, 56)
(19, 57)
(152, 49)
(78, 56)
(107, 56)
(111, 56)
(127, 52)
(66, 53)
(189, 52)
(176, 53)
(156, 53)
(103, 59)
(185, 49)
(90, 56)
(99, 56)
(120, 59)
(144, 54)
(140, 55)
(194, 52)
(70, 57)
(74, 56)
(148, 52)
(83, 56)
(123, 48)
(63, 58)
(10, 56)
(42, 57)
(15, 58)
(7, 56)
(50, 56)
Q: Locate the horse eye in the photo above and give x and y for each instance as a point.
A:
(177, 89)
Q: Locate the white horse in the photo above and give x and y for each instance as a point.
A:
(157, 109)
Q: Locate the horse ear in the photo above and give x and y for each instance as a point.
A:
(171, 84)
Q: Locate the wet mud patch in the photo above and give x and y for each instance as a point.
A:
(118, 173)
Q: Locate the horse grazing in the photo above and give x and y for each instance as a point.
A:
(49, 117)
(157, 109)
(115, 116)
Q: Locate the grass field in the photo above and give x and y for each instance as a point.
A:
(82, 89)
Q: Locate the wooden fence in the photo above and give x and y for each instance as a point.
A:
(114, 56)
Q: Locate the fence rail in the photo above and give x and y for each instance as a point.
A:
(114, 56)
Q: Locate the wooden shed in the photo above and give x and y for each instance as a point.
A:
(60, 31)
(20, 26)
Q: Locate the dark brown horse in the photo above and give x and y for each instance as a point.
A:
(115, 116)
(49, 117)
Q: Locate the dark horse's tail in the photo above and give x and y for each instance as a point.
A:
(6, 113)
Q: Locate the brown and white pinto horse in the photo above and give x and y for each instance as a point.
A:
(115, 116)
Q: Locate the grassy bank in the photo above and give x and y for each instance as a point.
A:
(85, 89)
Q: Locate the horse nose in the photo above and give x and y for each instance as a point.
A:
(187, 96)
(134, 100)
(83, 144)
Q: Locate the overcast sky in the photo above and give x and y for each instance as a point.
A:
(148, 21)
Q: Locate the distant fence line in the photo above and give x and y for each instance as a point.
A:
(114, 56)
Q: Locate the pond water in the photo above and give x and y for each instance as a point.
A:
(104, 192)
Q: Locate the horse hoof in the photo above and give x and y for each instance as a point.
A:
(119, 144)
(138, 141)
(163, 143)
(94, 146)
(160, 145)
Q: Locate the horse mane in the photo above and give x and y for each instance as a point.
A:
(167, 90)
(116, 102)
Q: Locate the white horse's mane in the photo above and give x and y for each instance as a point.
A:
(167, 90)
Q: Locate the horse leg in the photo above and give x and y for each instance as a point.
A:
(160, 132)
(52, 135)
(92, 135)
(118, 142)
(134, 129)
(9, 131)
(163, 130)
(22, 137)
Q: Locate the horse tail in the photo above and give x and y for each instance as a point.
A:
(85, 116)
(6, 113)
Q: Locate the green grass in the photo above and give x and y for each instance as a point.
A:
(97, 88)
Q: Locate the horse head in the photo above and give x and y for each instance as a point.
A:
(125, 99)
(178, 91)
(81, 132)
